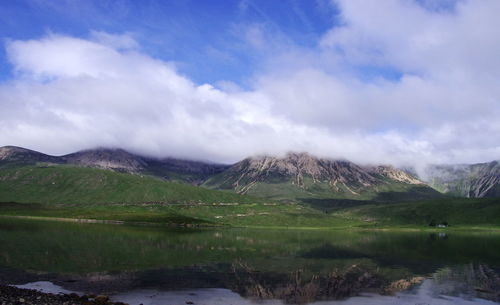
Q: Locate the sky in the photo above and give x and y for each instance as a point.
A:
(403, 82)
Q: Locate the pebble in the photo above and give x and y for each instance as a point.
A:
(12, 295)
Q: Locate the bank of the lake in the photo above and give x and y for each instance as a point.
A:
(10, 295)
(455, 213)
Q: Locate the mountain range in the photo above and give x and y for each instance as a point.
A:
(118, 160)
(294, 177)
(301, 176)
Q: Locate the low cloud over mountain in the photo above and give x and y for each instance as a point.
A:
(398, 82)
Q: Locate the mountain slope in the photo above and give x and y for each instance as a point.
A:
(301, 176)
(116, 159)
(454, 211)
(473, 181)
(193, 172)
(80, 185)
(15, 156)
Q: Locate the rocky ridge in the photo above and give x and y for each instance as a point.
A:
(298, 166)
(19, 155)
(194, 172)
(464, 180)
(395, 174)
(118, 159)
(303, 171)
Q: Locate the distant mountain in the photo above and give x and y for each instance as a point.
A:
(464, 180)
(194, 172)
(118, 160)
(302, 176)
(14, 156)
(59, 184)
(296, 176)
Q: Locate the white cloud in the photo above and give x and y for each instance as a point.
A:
(72, 93)
(116, 41)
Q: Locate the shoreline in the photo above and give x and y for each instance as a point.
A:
(14, 295)
(472, 228)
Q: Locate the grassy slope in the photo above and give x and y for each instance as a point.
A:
(75, 192)
(252, 215)
(457, 212)
(77, 185)
(70, 192)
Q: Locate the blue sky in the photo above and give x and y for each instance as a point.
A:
(202, 37)
(389, 81)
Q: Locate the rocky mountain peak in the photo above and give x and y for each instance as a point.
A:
(167, 168)
(7, 152)
(301, 175)
(393, 173)
(467, 180)
(19, 154)
(296, 168)
(292, 164)
(107, 158)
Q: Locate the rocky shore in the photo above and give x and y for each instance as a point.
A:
(18, 296)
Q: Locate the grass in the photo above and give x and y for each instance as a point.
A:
(76, 185)
(461, 214)
(86, 193)
(458, 212)
(245, 215)
(113, 212)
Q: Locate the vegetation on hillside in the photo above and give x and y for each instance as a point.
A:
(49, 184)
(65, 191)
(452, 211)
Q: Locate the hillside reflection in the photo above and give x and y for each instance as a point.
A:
(297, 267)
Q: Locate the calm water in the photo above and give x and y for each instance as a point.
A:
(153, 265)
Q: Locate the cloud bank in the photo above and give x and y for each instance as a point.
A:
(397, 82)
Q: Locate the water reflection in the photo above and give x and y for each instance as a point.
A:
(295, 267)
(468, 280)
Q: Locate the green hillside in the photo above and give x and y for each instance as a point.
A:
(454, 211)
(78, 185)
(78, 192)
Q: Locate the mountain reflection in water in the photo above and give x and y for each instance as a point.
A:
(423, 294)
(241, 266)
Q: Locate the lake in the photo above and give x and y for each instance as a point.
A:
(157, 265)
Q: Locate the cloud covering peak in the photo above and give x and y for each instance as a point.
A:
(395, 82)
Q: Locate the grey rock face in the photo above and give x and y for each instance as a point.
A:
(395, 174)
(475, 180)
(295, 168)
(168, 168)
(118, 159)
(19, 155)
